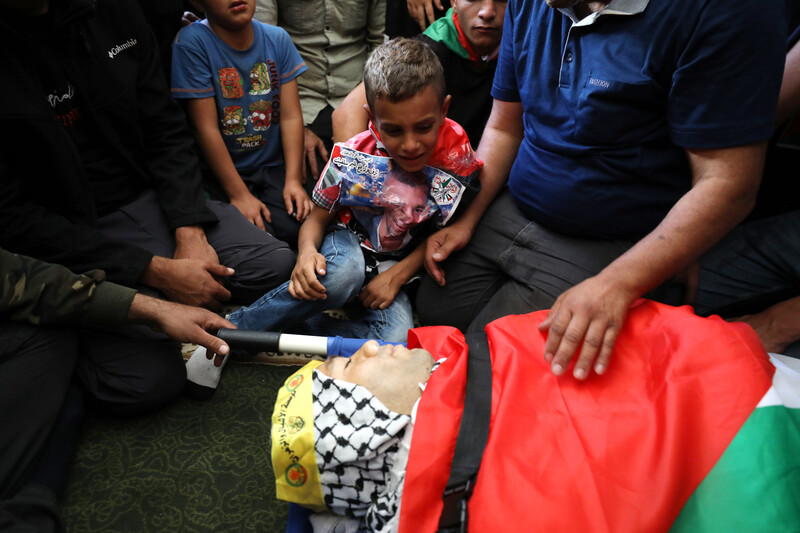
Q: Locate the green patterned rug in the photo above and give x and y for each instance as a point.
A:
(192, 467)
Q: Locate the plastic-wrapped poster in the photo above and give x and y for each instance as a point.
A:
(387, 200)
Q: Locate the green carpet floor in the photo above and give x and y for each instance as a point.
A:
(192, 467)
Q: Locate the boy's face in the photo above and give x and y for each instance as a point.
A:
(391, 372)
(231, 15)
(410, 128)
(482, 23)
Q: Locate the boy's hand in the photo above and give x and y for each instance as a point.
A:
(303, 284)
(380, 292)
(313, 144)
(440, 245)
(253, 209)
(297, 201)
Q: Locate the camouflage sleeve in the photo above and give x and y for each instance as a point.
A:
(42, 293)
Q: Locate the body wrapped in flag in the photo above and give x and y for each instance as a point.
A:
(693, 429)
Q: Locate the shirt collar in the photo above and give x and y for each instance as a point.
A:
(614, 7)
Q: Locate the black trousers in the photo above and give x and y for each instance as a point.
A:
(36, 366)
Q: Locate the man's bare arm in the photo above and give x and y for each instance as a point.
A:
(181, 322)
(351, 117)
(777, 326)
(724, 186)
(498, 150)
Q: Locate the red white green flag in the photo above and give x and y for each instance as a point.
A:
(755, 486)
(692, 429)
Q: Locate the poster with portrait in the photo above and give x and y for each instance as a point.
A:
(388, 201)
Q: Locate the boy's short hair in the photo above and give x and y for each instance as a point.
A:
(399, 69)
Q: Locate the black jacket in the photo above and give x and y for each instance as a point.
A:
(46, 206)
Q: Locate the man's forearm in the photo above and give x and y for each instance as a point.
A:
(498, 150)
(350, 118)
(778, 326)
(704, 215)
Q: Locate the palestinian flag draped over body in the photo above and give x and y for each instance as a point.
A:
(691, 428)
(755, 486)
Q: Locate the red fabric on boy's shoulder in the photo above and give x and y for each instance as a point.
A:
(620, 452)
(453, 152)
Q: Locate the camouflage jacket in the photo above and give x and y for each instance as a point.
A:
(42, 293)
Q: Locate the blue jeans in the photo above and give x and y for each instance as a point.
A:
(279, 311)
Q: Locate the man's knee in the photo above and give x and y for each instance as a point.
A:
(132, 376)
(263, 270)
(447, 306)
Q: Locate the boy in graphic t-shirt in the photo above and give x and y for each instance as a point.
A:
(376, 202)
(239, 79)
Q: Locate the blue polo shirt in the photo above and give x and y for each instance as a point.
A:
(611, 101)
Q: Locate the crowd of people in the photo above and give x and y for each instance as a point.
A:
(514, 156)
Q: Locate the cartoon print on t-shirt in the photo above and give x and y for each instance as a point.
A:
(233, 120)
(259, 79)
(230, 82)
(259, 114)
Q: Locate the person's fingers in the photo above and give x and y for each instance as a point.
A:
(592, 343)
(258, 222)
(219, 292)
(435, 270)
(365, 297)
(304, 209)
(563, 337)
(609, 339)
(307, 284)
(323, 152)
(263, 214)
(439, 5)
(373, 301)
(213, 345)
(312, 164)
(551, 343)
(434, 255)
(429, 13)
(320, 265)
(217, 322)
(417, 14)
(220, 270)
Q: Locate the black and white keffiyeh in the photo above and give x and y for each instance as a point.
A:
(356, 439)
